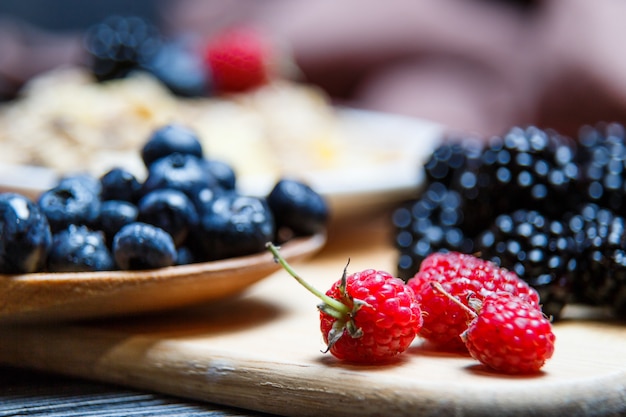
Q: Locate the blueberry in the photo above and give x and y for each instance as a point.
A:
(78, 249)
(178, 171)
(143, 246)
(70, 202)
(185, 256)
(119, 184)
(89, 181)
(171, 210)
(178, 66)
(202, 196)
(25, 235)
(222, 172)
(115, 214)
(172, 138)
(298, 207)
(234, 225)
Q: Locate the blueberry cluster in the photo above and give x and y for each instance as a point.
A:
(549, 207)
(120, 45)
(187, 210)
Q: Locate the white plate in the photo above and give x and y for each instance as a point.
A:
(353, 189)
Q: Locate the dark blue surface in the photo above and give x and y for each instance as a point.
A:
(30, 393)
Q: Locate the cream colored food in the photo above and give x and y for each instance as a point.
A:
(66, 121)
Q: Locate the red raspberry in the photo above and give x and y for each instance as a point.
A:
(510, 335)
(238, 60)
(462, 276)
(384, 310)
(367, 317)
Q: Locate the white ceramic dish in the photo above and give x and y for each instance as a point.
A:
(349, 190)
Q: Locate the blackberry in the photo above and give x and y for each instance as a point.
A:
(432, 223)
(451, 158)
(531, 168)
(602, 160)
(538, 250)
(120, 45)
(558, 207)
(601, 238)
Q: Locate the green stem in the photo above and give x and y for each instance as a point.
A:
(329, 301)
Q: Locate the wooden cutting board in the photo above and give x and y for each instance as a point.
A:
(262, 351)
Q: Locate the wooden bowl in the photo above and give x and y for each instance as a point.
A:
(44, 297)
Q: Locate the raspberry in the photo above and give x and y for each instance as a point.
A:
(238, 60)
(510, 335)
(368, 317)
(462, 276)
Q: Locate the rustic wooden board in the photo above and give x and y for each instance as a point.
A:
(261, 351)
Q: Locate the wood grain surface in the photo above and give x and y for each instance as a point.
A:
(262, 351)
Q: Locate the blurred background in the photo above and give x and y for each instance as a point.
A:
(473, 65)
(74, 15)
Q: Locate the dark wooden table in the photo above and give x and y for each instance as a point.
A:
(29, 393)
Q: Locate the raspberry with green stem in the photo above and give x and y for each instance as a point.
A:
(367, 317)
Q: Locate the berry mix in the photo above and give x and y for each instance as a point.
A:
(233, 61)
(187, 210)
(505, 233)
(547, 207)
(457, 302)
(531, 204)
